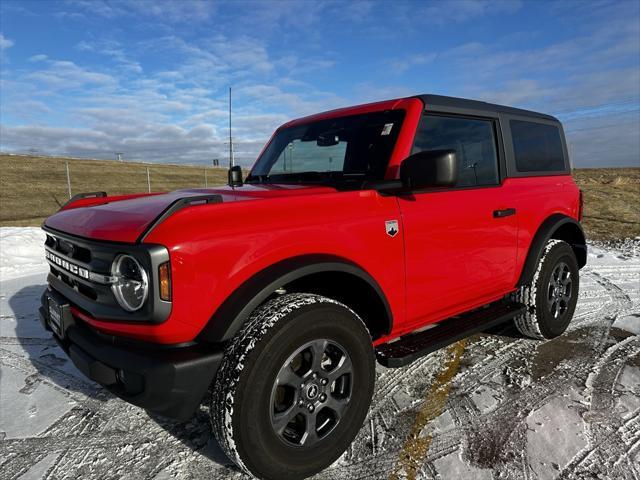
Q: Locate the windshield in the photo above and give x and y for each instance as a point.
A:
(356, 147)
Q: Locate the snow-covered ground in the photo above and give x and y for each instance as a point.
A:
(493, 406)
(21, 252)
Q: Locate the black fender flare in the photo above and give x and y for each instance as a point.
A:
(234, 311)
(549, 229)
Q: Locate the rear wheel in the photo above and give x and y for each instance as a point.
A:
(552, 295)
(294, 387)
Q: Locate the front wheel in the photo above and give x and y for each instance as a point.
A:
(552, 295)
(294, 387)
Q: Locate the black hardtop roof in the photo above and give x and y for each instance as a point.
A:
(435, 101)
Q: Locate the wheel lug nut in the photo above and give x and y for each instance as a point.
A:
(323, 397)
(311, 408)
(315, 375)
(324, 381)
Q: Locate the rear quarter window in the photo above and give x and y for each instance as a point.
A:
(537, 147)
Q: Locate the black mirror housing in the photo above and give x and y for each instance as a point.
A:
(235, 176)
(429, 168)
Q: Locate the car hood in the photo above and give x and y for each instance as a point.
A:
(125, 220)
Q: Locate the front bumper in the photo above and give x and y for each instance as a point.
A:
(170, 381)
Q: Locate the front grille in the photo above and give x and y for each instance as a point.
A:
(80, 268)
(81, 288)
(68, 248)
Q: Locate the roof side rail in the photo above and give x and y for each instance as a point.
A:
(177, 205)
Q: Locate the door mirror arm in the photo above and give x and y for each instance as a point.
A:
(427, 169)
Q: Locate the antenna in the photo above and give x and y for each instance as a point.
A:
(235, 172)
(231, 159)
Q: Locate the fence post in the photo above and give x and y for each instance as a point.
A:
(68, 178)
(148, 180)
(206, 184)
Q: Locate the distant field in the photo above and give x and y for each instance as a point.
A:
(32, 188)
(612, 202)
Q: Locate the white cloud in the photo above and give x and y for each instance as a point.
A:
(38, 58)
(164, 143)
(403, 63)
(113, 49)
(459, 11)
(65, 75)
(166, 10)
(167, 116)
(5, 43)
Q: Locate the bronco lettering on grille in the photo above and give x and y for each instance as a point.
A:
(66, 265)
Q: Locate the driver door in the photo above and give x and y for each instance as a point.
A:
(460, 253)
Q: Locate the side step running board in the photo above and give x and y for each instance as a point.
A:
(406, 349)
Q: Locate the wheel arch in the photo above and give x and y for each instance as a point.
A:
(559, 227)
(327, 275)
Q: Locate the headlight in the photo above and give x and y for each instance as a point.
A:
(131, 285)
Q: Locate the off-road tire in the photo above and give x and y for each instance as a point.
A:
(538, 322)
(242, 392)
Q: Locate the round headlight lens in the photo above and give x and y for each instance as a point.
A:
(131, 285)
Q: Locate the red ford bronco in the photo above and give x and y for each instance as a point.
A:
(378, 232)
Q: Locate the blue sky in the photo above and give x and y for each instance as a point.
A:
(150, 78)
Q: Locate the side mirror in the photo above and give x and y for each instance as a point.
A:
(430, 168)
(235, 176)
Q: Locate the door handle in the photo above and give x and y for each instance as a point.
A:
(504, 213)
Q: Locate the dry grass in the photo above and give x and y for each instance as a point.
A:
(612, 202)
(32, 188)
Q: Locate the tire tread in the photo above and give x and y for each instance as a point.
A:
(263, 320)
(528, 323)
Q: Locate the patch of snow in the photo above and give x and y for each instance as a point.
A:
(33, 405)
(630, 323)
(628, 389)
(40, 469)
(555, 435)
(443, 423)
(453, 467)
(19, 302)
(21, 251)
(486, 398)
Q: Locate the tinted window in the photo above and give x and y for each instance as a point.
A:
(537, 147)
(472, 139)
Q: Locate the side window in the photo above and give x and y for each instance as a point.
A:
(537, 147)
(472, 139)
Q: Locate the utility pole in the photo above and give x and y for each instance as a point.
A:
(68, 178)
